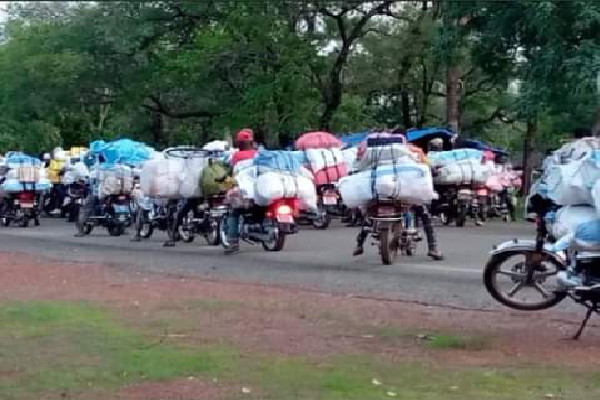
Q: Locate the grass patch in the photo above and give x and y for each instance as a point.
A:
(53, 348)
(448, 341)
(435, 340)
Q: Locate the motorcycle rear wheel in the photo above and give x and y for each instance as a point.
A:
(213, 236)
(276, 244)
(493, 269)
(322, 222)
(389, 246)
(116, 229)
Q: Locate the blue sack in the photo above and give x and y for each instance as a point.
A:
(280, 160)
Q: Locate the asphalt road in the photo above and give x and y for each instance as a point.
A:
(311, 259)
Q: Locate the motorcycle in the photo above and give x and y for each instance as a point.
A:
(268, 226)
(205, 220)
(393, 228)
(151, 215)
(113, 212)
(533, 265)
(456, 204)
(20, 208)
(75, 197)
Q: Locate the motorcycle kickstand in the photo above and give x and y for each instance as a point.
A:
(588, 315)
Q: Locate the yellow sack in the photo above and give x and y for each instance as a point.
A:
(54, 170)
(76, 151)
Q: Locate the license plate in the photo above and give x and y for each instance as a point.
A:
(386, 211)
(285, 219)
(122, 218)
(26, 205)
(330, 200)
(79, 201)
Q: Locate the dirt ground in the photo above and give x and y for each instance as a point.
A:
(289, 321)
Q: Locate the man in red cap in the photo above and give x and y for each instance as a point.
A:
(244, 141)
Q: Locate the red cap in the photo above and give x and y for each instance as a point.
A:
(245, 135)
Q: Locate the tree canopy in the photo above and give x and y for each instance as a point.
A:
(186, 72)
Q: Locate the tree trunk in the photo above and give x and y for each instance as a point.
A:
(157, 129)
(406, 120)
(453, 98)
(596, 127)
(527, 150)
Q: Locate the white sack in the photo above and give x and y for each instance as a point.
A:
(571, 184)
(324, 158)
(463, 172)
(395, 152)
(411, 183)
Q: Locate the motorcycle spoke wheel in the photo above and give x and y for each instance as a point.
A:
(519, 282)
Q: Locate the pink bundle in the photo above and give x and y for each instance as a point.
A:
(330, 175)
(324, 155)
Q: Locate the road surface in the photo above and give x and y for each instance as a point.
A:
(319, 260)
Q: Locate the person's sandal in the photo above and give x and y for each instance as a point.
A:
(358, 251)
(232, 248)
(435, 255)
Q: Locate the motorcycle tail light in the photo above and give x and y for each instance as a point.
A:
(26, 197)
(284, 209)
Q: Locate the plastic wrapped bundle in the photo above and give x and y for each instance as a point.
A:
(572, 183)
(265, 185)
(76, 172)
(327, 165)
(577, 228)
(172, 178)
(116, 179)
(411, 183)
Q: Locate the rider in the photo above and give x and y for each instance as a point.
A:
(420, 212)
(244, 141)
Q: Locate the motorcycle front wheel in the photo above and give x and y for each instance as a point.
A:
(389, 238)
(322, 221)
(526, 273)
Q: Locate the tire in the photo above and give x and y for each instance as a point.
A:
(388, 244)
(213, 237)
(461, 218)
(277, 244)
(116, 229)
(142, 225)
(445, 218)
(489, 273)
(24, 222)
(183, 231)
(322, 223)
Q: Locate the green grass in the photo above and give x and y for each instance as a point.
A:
(435, 340)
(48, 348)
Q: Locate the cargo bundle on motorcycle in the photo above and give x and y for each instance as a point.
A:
(388, 169)
(323, 156)
(274, 175)
(23, 173)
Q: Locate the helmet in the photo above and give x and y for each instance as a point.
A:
(245, 135)
(46, 157)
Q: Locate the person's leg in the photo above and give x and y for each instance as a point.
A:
(233, 231)
(362, 236)
(423, 215)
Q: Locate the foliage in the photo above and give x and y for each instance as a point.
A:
(186, 72)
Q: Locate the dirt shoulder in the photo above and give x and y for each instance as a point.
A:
(289, 321)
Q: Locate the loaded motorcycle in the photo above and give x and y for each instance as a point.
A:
(268, 226)
(541, 275)
(151, 214)
(204, 220)
(20, 208)
(393, 226)
(112, 212)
